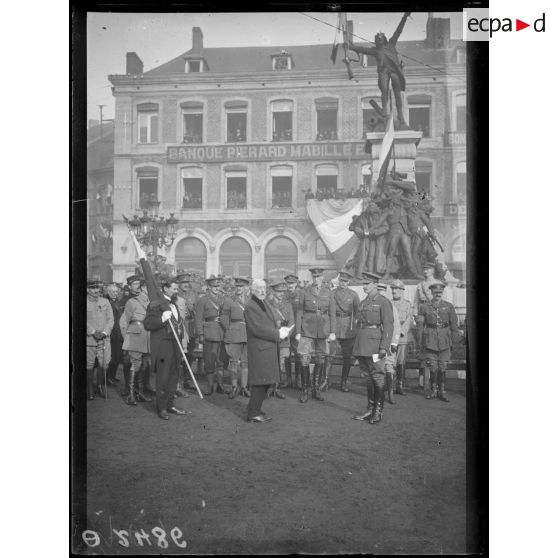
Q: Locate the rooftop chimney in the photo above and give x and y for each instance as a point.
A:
(197, 40)
(134, 65)
(437, 32)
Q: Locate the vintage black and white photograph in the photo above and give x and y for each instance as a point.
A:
(276, 351)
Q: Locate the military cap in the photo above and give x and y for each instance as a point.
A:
(437, 287)
(381, 286)
(92, 283)
(429, 264)
(316, 271)
(133, 278)
(398, 284)
(184, 278)
(345, 275)
(213, 281)
(371, 277)
(241, 281)
(291, 278)
(278, 285)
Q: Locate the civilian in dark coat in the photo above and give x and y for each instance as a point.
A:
(165, 352)
(116, 339)
(263, 338)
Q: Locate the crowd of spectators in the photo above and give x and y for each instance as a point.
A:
(236, 199)
(191, 201)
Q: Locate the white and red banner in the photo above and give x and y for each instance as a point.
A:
(332, 219)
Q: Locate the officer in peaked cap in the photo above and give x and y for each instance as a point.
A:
(234, 325)
(346, 307)
(372, 342)
(210, 333)
(283, 316)
(436, 332)
(292, 296)
(315, 326)
(405, 312)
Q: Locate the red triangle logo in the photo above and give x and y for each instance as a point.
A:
(519, 25)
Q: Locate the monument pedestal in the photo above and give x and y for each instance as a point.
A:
(404, 152)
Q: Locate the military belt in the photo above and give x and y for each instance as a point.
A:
(319, 312)
(136, 322)
(438, 326)
(214, 318)
(370, 326)
(341, 315)
(237, 321)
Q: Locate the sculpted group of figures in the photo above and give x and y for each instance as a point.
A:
(260, 333)
(395, 232)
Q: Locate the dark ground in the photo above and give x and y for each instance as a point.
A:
(311, 481)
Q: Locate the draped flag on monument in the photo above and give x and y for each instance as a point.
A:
(387, 144)
(332, 219)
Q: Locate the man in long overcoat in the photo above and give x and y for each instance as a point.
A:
(263, 337)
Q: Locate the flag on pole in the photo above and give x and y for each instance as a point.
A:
(332, 219)
(387, 144)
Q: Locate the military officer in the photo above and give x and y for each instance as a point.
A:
(186, 303)
(232, 319)
(210, 333)
(405, 312)
(100, 322)
(372, 343)
(136, 341)
(315, 326)
(284, 317)
(436, 332)
(392, 353)
(291, 296)
(346, 307)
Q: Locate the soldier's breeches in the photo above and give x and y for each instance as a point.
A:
(284, 353)
(212, 356)
(96, 352)
(401, 354)
(310, 346)
(138, 360)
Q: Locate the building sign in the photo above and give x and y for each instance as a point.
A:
(455, 139)
(266, 152)
(455, 209)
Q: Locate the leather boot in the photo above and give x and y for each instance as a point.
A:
(220, 386)
(378, 406)
(421, 378)
(131, 399)
(289, 379)
(316, 376)
(400, 387)
(90, 379)
(210, 384)
(101, 390)
(305, 381)
(433, 386)
(442, 386)
(370, 407)
(389, 388)
(126, 371)
(326, 369)
(298, 373)
(141, 395)
(345, 375)
(274, 391)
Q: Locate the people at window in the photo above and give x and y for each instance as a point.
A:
(236, 199)
(192, 138)
(281, 199)
(283, 135)
(191, 201)
(326, 134)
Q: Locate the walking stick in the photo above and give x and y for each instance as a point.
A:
(185, 360)
(105, 368)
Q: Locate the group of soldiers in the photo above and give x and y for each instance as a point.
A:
(325, 321)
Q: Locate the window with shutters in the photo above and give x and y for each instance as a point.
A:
(282, 120)
(326, 118)
(148, 123)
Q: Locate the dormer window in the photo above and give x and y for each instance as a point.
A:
(195, 66)
(282, 61)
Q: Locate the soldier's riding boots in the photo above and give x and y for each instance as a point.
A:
(141, 375)
(298, 372)
(126, 366)
(288, 373)
(131, 399)
(324, 379)
(442, 386)
(345, 375)
(400, 386)
(101, 382)
(378, 406)
(210, 384)
(316, 377)
(90, 379)
(433, 386)
(305, 381)
(370, 391)
(274, 391)
(220, 386)
(389, 388)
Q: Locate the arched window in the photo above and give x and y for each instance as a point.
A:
(235, 257)
(281, 258)
(191, 256)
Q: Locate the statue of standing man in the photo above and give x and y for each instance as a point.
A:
(389, 66)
